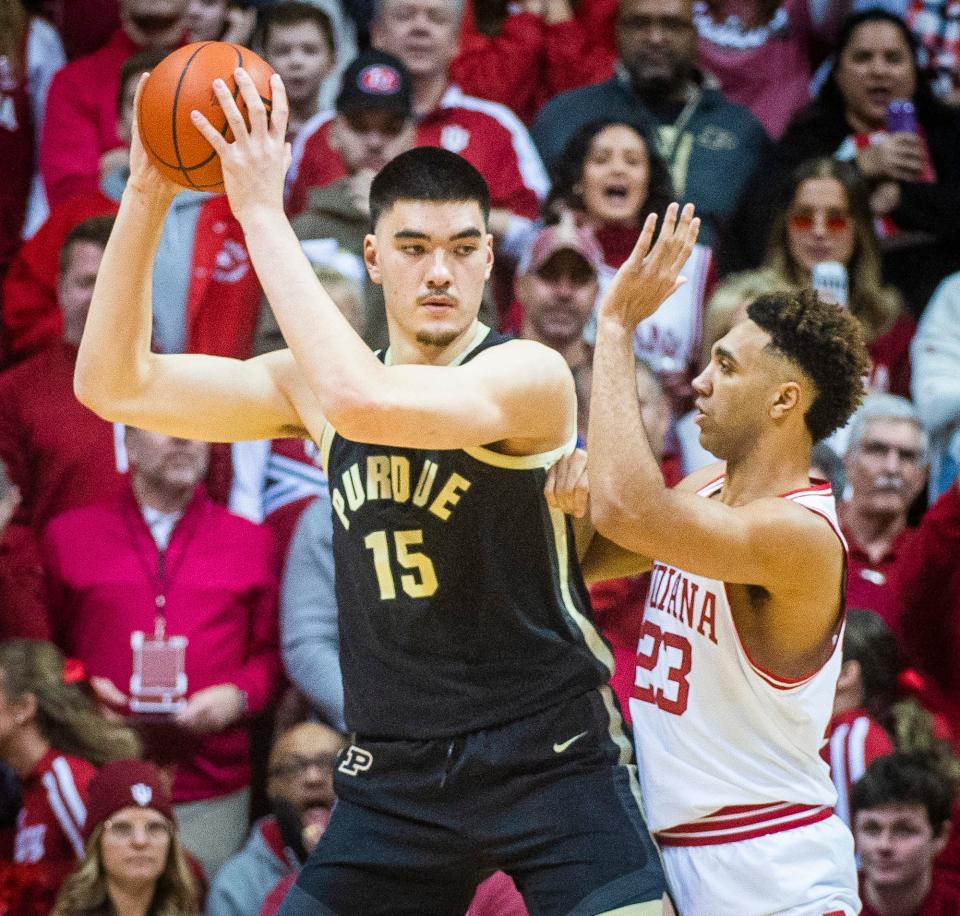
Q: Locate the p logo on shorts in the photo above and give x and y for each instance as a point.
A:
(355, 760)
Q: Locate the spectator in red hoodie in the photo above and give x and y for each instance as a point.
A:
(162, 572)
(59, 454)
(80, 130)
(54, 737)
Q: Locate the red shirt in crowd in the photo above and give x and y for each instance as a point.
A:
(854, 741)
(50, 823)
(220, 592)
(929, 625)
(80, 123)
(223, 295)
(31, 315)
(487, 135)
(60, 454)
(890, 358)
(875, 586)
(943, 899)
(529, 61)
(23, 602)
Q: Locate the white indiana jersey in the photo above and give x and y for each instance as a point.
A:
(726, 750)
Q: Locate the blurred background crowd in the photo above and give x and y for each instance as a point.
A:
(170, 696)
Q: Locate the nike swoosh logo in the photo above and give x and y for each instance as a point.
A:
(563, 745)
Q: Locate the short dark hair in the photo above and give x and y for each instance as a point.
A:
(97, 230)
(427, 173)
(142, 61)
(869, 641)
(293, 12)
(826, 342)
(906, 778)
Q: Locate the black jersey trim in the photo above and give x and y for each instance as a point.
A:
(478, 338)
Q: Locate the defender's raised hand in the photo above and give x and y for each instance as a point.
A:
(255, 163)
(652, 272)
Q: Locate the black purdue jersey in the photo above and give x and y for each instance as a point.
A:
(461, 603)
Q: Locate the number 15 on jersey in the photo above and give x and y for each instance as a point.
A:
(393, 555)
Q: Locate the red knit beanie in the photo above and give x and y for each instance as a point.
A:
(122, 784)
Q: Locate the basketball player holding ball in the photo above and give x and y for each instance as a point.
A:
(485, 736)
(739, 647)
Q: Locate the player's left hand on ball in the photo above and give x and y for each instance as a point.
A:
(144, 177)
(255, 163)
(652, 272)
(567, 487)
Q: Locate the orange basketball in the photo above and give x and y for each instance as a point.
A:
(180, 83)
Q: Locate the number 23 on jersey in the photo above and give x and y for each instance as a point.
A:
(657, 648)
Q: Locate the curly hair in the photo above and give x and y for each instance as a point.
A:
(826, 342)
(567, 171)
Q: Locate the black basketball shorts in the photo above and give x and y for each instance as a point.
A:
(552, 799)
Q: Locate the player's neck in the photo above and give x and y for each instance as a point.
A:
(427, 92)
(898, 899)
(767, 469)
(406, 350)
(25, 750)
(874, 533)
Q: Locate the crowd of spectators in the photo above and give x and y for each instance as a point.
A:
(169, 673)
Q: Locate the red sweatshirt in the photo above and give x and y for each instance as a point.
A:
(221, 594)
(31, 316)
(80, 124)
(50, 823)
(529, 61)
(223, 297)
(58, 453)
(929, 577)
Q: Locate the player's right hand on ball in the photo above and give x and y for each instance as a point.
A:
(567, 487)
(143, 176)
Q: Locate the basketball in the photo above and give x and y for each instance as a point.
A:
(180, 83)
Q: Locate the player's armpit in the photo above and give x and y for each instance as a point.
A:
(216, 399)
(606, 560)
(518, 396)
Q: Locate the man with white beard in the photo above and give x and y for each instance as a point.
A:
(886, 467)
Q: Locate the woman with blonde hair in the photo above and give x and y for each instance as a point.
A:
(827, 218)
(134, 864)
(53, 736)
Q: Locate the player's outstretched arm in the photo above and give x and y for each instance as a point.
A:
(769, 542)
(520, 391)
(117, 375)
